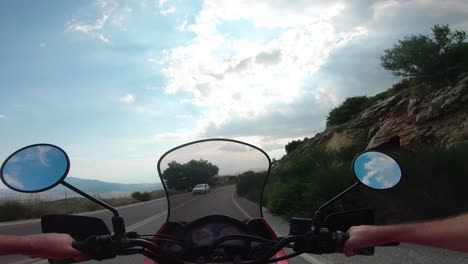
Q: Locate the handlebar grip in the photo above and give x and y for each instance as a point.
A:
(96, 247)
(80, 246)
(368, 251)
(391, 244)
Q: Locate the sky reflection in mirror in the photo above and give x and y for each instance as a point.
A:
(35, 168)
(377, 170)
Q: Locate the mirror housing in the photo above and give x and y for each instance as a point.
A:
(40, 167)
(35, 168)
(373, 169)
(79, 227)
(377, 170)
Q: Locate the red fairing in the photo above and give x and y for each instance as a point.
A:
(273, 236)
(148, 260)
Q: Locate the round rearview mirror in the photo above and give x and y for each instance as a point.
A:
(377, 170)
(35, 168)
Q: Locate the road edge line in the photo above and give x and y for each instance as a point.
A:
(242, 210)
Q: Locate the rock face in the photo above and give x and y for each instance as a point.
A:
(406, 120)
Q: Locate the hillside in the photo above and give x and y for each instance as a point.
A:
(405, 120)
(426, 132)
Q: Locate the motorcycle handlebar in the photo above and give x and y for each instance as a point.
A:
(321, 242)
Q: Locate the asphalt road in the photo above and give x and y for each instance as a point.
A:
(146, 218)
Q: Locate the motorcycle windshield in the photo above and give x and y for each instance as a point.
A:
(214, 177)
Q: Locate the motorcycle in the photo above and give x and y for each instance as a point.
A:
(224, 225)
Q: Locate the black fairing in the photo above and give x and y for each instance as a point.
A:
(342, 221)
(79, 227)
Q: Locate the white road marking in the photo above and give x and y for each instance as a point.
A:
(310, 259)
(242, 210)
(305, 256)
(21, 222)
(145, 221)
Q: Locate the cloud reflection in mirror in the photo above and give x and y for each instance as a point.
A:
(35, 168)
(377, 170)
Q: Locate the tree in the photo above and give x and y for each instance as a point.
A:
(435, 57)
(186, 176)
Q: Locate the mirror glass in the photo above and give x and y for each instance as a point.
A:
(377, 170)
(35, 168)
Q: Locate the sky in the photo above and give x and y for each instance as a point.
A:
(117, 83)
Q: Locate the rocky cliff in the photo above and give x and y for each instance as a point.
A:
(406, 120)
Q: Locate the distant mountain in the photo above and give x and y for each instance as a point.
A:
(96, 186)
(93, 187)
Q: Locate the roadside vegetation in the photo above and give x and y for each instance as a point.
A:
(433, 185)
(11, 210)
(249, 184)
(300, 185)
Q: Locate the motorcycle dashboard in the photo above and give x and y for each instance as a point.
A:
(204, 232)
(198, 238)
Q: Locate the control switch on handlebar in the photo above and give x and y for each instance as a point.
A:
(97, 247)
(300, 226)
(322, 242)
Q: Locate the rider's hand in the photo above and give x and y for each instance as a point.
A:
(362, 237)
(52, 246)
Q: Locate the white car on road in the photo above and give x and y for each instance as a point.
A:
(202, 188)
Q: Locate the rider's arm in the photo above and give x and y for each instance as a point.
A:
(450, 233)
(52, 246)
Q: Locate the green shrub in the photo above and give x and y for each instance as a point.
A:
(11, 210)
(142, 197)
(293, 145)
(249, 184)
(435, 180)
(303, 183)
(349, 108)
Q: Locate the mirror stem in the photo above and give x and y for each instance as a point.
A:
(337, 196)
(318, 215)
(101, 203)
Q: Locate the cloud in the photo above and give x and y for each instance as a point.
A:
(119, 18)
(3, 117)
(43, 45)
(255, 85)
(268, 58)
(13, 182)
(381, 170)
(110, 13)
(127, 99)
(92, 29)
(168, 10)
(169, 137)
(165, 8)
(42, 154)
(38, 153)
